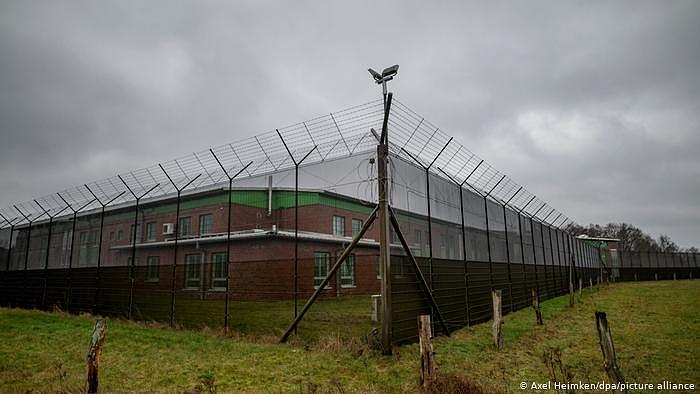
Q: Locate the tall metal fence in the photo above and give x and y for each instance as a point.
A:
(239, 236)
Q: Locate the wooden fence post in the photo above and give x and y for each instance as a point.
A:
(580, 289)
(497, 320)
(571, 293)
(93, 354)
(536, 306)
(608, 349)
(427, 359)
(591, 285)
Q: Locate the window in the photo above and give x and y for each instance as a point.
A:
(153, 268)
(193, 267)
(338, 226)
(219, 271)
(83, 248)
(111, 235)
(321, 266)
(206, 224)
(131, 231)
(417, 243)
(356, 226)
(185, 228)
(394, 236)
(120, 235)
(347, 272)
(151, 231)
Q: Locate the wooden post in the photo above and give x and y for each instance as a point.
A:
(608, 349)
(93, 354)
(571, 293)
(427, 359)
(580, 289)
(591, 285)
(536, 307)
(656, 276)
(497, 321)
(674, 276)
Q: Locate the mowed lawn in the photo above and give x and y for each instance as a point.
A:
(655, 326)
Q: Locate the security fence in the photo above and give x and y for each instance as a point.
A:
(239, 236)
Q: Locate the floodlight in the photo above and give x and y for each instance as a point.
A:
(377, 77)
(390, 71)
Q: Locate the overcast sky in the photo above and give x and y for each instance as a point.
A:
(594, 106)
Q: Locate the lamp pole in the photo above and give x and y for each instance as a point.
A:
(383, 210)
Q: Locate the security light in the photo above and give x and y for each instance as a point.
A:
(386, 75)
(377, 76)
(390, 71)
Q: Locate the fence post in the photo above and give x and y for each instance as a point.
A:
(427, 356)
(497, 320)
(99, 245)
(571, 271)
(580, 289)
(133, 244)
(93, 355)
(608, 349)
(536, 307)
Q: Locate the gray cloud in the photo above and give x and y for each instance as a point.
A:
(594, 106)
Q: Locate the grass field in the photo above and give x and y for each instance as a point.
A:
(655, 326)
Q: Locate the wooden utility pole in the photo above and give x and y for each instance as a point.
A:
(93, 355)
(427, 359)
(497, 319)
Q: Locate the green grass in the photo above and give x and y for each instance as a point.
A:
(348, 316)
(655, 326)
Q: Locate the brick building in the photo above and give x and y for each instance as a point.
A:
(261, 266)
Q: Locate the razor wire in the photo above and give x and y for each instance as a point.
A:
(336, 135)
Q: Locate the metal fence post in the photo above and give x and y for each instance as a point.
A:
(99, 245)
(177, 237)
(26, 251)
(228, 232)
(296, 213)
(132, 266)
(48, 251)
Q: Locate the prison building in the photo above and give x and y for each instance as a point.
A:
(153, 244)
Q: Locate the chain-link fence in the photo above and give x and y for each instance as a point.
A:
(240, 236)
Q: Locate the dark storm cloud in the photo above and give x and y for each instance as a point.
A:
(594, 106)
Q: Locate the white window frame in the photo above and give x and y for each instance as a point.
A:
(338, 223)
(319, 278)
(198, 271)
(215, 279)
(151, 231)
(356, 229)
(350, 260)
(180, 227)
(202, 228)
